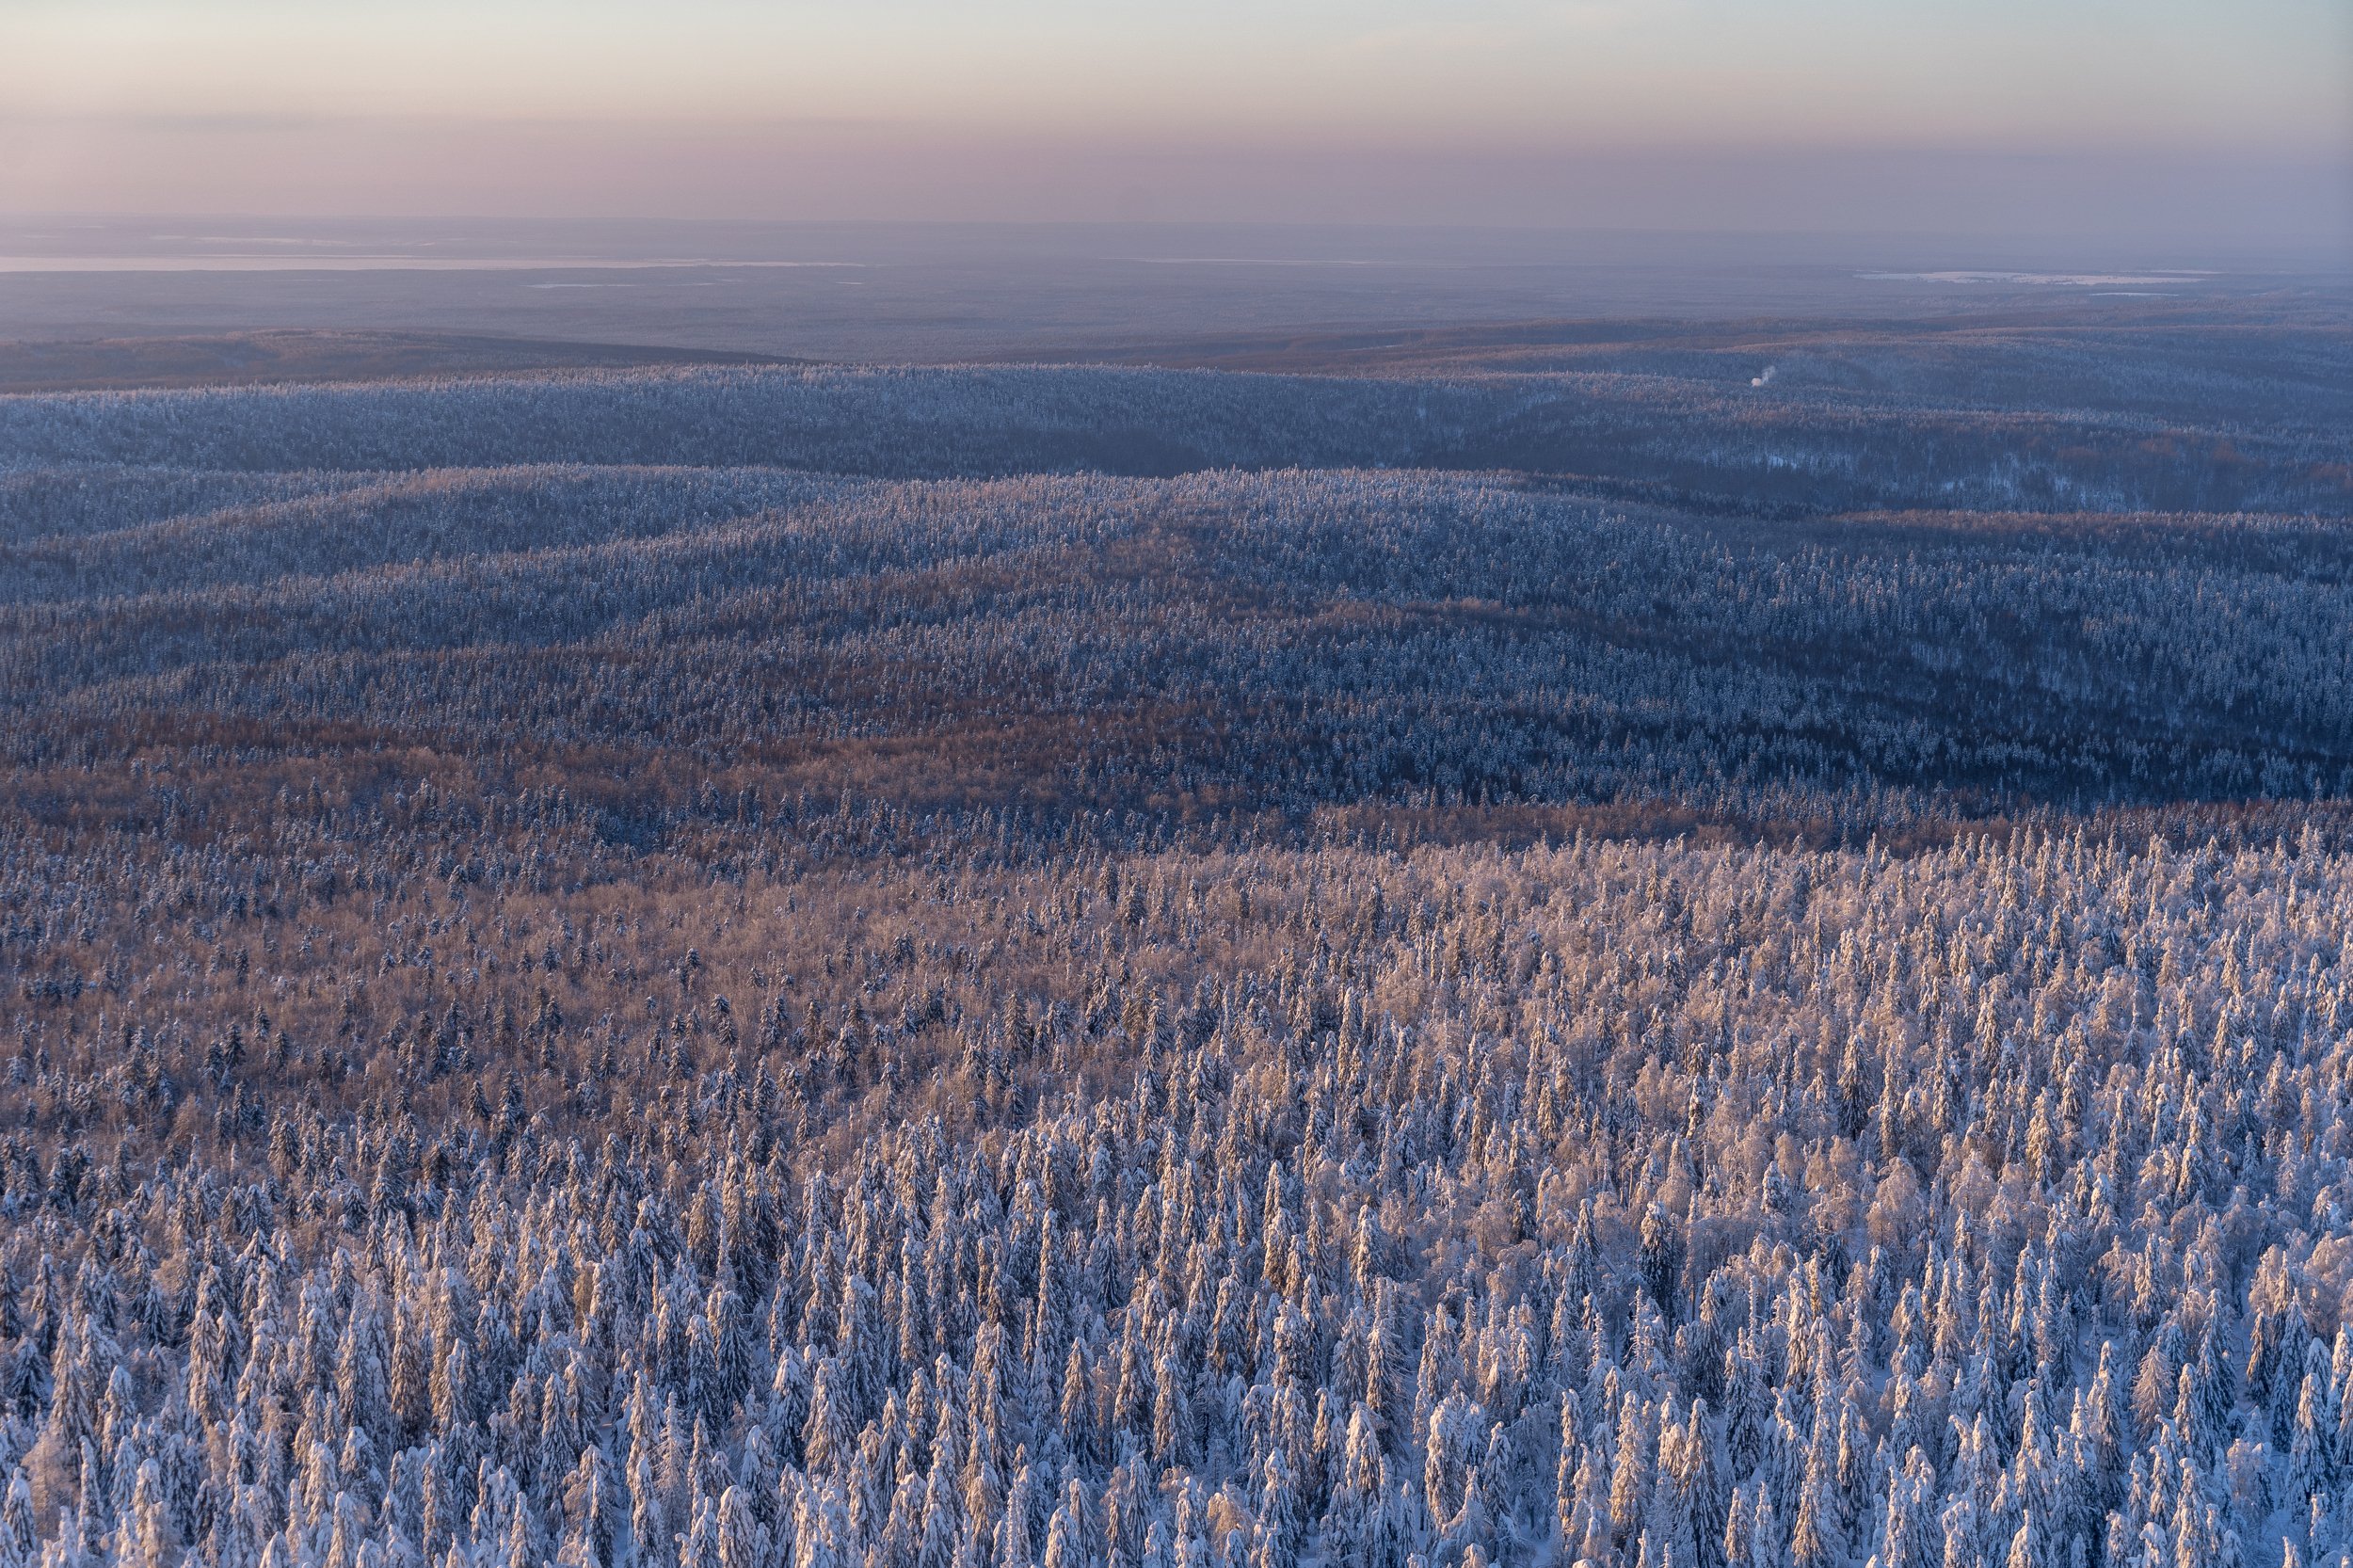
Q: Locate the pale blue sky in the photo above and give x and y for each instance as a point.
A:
(784, 108)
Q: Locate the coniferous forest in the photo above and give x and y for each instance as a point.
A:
(985, 968)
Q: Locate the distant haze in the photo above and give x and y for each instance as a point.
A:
(2170, 120)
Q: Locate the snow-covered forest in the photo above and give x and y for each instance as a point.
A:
(1036, 967)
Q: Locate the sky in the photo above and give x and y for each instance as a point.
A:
(1658, 113)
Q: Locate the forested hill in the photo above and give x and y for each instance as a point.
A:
(1807, 446)
(1198, 647)
(1026, 968)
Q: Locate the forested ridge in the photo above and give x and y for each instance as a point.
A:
(813, 969)
(1808, 447)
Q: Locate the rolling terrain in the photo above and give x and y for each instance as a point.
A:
(1638, 942)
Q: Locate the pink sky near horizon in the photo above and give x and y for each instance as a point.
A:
(1672, 112)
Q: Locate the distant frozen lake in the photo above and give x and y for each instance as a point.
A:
(311, 262)
(2060, 279)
